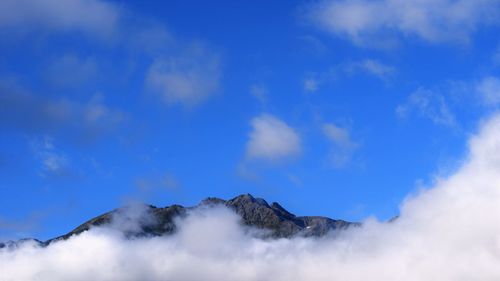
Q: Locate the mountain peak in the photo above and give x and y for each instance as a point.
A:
(254, 212)
(247, 199)
(212, 201)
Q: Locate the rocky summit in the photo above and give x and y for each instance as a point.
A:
(273, 219)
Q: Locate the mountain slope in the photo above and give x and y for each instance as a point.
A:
(255, 212)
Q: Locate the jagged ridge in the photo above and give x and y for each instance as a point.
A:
(255, 212)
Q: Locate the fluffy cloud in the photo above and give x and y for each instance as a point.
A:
(489, 90)
(374, 23)
(93, 16)
(448, 232)
(427, 104)
(188, 78)
(343, 145)
(272, 139)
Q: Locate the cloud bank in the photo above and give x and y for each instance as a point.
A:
(450, 231)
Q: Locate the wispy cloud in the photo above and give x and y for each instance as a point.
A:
(371, 66)
(89, 16)
(157, 183)
(54, 163)
(380, 23)
(342, 144)
(183, 71)
(21, 228)
(489, 90)
(70, 70)
(314, 44)
(188, 78)
(427, 104)
(260, 92)
(272, 139)
(30, 113)
(311, 85)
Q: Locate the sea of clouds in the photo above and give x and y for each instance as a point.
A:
(450, 231)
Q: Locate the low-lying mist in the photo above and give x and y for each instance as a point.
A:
(450, 231)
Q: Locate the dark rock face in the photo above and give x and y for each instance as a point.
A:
(281, 223)
(254, 212)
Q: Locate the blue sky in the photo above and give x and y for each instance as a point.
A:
(334, 108)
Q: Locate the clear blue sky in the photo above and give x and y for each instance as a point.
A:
(332, 108)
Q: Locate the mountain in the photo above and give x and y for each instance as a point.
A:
(255, 212)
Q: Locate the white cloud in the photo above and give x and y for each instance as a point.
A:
(343, 145)
(93, 16)
(377, 23)
(489, 90)
(448, 232)
(427, 104)
(272, 139)
(188, 78)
